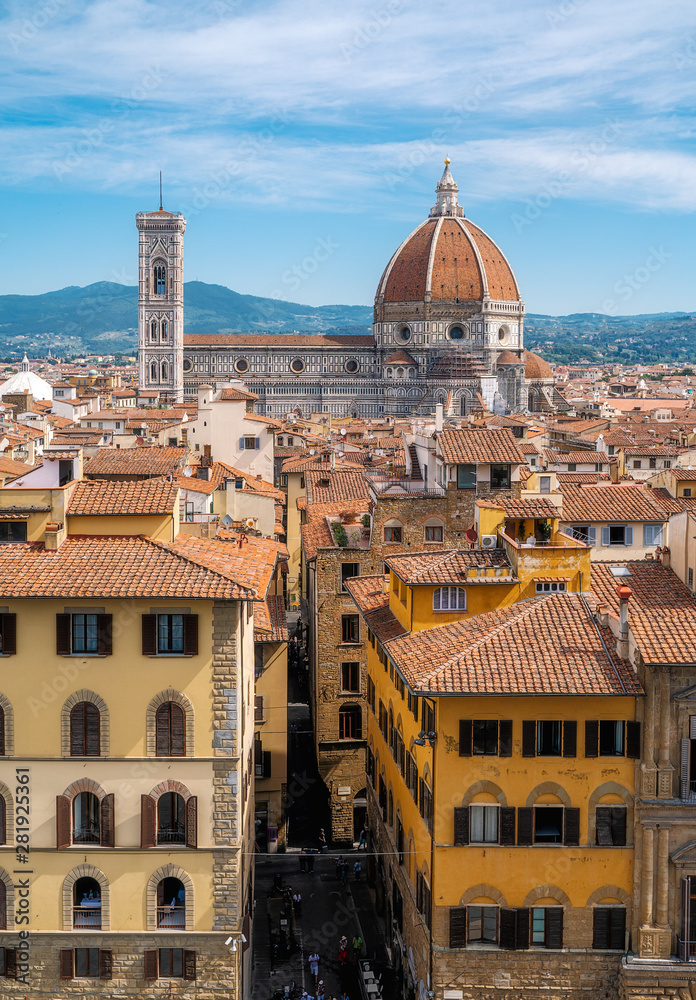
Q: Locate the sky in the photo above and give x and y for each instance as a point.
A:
(303, 141)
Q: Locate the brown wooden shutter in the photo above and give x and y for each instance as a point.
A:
(150, 637)
(603, 824)
(192, 822)
(3, 906)
(162, 730)
(465, 731)
(104, 640)
(554, 927)
(633, 740)
(617, 928)
(151, 964)
(3, 820)
(507, 825)
(457, 927)
(2, 737)
(522, 937)
(8, 623)
(525, 826)
(529, 739)
(66, 963)
(10, 963)
(505, 738)
(684, 776)
(178, 741)
(461, 826)
(600, 927)
(571, 827)
(189, 964)
(591, 738)
(191, 641)
(106, 821)
(618, 826)
(77, 731)
(508, 929)
(685, 920)
(63, 638)
(147, 821)
(105, 963)
(570, 738)
(92, 727)
(63, 825)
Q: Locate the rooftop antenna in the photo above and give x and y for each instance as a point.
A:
(160, 190)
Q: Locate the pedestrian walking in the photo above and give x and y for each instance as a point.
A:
(297, 903)
(310, 861)
(357, 871)
(303, 860)
(363, 840)
(321, 995)
(342, 951)
(323, 846)
(357, 947)
(314, 965)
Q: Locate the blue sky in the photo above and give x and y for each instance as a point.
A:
(285, 128)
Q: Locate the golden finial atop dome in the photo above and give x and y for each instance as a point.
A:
(447, 161)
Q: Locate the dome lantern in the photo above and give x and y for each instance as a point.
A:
(446, 194)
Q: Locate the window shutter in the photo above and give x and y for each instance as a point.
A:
(685, 920)
(62, 824)
(605, 535)
(77, 730)
(592, 535)
(617, 928)
(505, 738)
(522, 939)
(106, 821)
(570, 738)
(66, 963)
(257, 443)
(11, 963)
(3, 906)
(189, 965)
(554, 927)
(421, 786)
(618, 826)
(633, 740)
(104, 642)
(105, 963)
(191, 634)
(192, 822)
(600, 927)
(465, 730)
(525, 826)
(684, 779)
(457, 918)
(241, 444)
(508, 929)
(3, 822)
(628, 535)
(461, 826)
(92, 745)
(147, 822)
(149, 635)
(591, 738)
(603, 823)
(63, 637)
(529, 739)
(9, 637)
(507, 825)
(151, 964)
(267, 763)
(571, 826)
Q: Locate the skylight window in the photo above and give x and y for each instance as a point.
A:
(620, 571)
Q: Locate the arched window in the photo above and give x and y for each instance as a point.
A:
(449, 599)
(86, 828)
(165, 371)
(153, 330)
(160, 279)
(163, 330)
(393, 530)
(153, 372)
(171, 903)
(87, 904)
(84, 730)
(171, 819)
(390, 372)
(350, 722)
(399, 373)
(170, 726)
(530, 402)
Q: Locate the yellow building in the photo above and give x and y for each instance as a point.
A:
(127, 730)
(497, 821)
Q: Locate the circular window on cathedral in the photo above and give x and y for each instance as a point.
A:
(241, 365)
(502, 334)
(297, 366)
(188, 365)
(403, 334)
(456, 333)
(352, 366)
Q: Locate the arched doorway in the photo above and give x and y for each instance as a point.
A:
(359, 813)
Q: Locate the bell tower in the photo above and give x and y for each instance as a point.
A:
(161, 302)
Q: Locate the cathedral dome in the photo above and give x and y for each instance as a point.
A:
(26, 381)
(448, 259)
(536, 367)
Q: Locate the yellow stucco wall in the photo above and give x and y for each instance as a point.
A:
(158, 526)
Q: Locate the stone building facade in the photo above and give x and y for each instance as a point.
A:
(448, 328)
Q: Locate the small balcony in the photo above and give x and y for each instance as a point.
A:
(171, 917)
(87, 916)
(171, 835)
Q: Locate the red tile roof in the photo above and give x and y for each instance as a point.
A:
(450, 566)
(147, 496)
(373, 604)
(146, 462)
(335, 485)
(479, 446)
(270, 620)
(531, 507)
(250, 563)
(231, 392)
(548, 645)
(611, 502)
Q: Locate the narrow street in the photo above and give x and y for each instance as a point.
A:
(329, 908)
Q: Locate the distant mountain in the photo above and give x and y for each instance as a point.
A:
(103, 317)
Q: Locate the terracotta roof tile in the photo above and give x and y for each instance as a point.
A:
(611, 502)
(479, 446)
(335, 485)
(450, 566)
(531, 507)
(231, 392)
(148, 496)
(373, 603)
(577, 457)
(248, 560)
(270, 620)
(146, 462)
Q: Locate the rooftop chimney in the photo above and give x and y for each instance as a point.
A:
(439, 418)
(625, 594)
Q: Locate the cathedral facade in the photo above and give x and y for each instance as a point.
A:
(448, 328)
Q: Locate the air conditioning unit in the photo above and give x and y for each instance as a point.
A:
(489, 541)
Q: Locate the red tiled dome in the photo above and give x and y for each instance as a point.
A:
(535, 366)
(508, 358)
(452, 259)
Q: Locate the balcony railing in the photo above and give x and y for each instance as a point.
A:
(171, 835)
(87, 917)
(686, 950)
(171, 916)
(86, 835)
